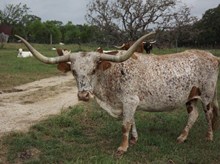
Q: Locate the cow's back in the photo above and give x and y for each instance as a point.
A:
(168, 80)
(159, 81)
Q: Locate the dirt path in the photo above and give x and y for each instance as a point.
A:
(27, 104)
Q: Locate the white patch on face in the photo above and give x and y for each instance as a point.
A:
(83, 68)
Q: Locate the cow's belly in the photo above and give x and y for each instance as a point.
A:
(163, 103)
(151, 108)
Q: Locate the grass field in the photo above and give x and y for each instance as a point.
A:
(87, 134)
(15, 71)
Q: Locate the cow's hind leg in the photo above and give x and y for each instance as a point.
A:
(216, 119)
(134, 135)
(193, 115)
(209, 117)
(212, 115)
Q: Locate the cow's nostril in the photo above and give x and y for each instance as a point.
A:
(83, 96)
(87, 94)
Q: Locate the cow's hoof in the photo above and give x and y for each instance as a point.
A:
(209, 136)
(119, 153)
(180, 140)
(182, 137)
(133, 141)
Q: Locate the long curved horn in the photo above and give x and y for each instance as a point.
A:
(125, 55)
(153, 42)
(42, 58)
(120, 47)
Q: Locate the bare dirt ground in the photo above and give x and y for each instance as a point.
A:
(27, 104)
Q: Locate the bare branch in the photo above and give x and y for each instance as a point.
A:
(133, 17)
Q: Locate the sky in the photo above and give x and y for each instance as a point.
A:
(75, 10)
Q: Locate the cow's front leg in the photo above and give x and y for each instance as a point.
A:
(126, 128)
(125, 137)
(129, 108)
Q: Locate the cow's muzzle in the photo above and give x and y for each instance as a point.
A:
(83, 96)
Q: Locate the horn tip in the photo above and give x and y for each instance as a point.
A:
(17, 36)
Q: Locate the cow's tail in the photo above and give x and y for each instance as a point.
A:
(218, 57)
(216, 110)
(216, 113)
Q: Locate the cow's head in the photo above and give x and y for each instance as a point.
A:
(148, 46)
(20, 50)
(85, 65)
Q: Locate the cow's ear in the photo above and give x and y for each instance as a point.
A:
(104, 65)
(59, 52)
(64, 67)
(100, 50)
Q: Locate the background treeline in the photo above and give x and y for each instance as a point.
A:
(119, 21)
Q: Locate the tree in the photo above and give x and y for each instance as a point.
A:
(79, 33)
(18, 17)
(37, 32)
(130, 18)
(53, 31)
(44, 32)
(22, 27)
(180, 28)
(13, 14)
(70, 33)
(209, 27)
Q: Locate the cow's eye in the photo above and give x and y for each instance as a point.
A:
(93, 72)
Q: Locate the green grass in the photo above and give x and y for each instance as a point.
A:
(15, 71)
(87, 134)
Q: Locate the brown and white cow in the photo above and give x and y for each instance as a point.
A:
(122, 84)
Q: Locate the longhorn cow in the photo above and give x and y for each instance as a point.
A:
(147, 46)
(24, 54)
(122, 84)
(126, 46)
